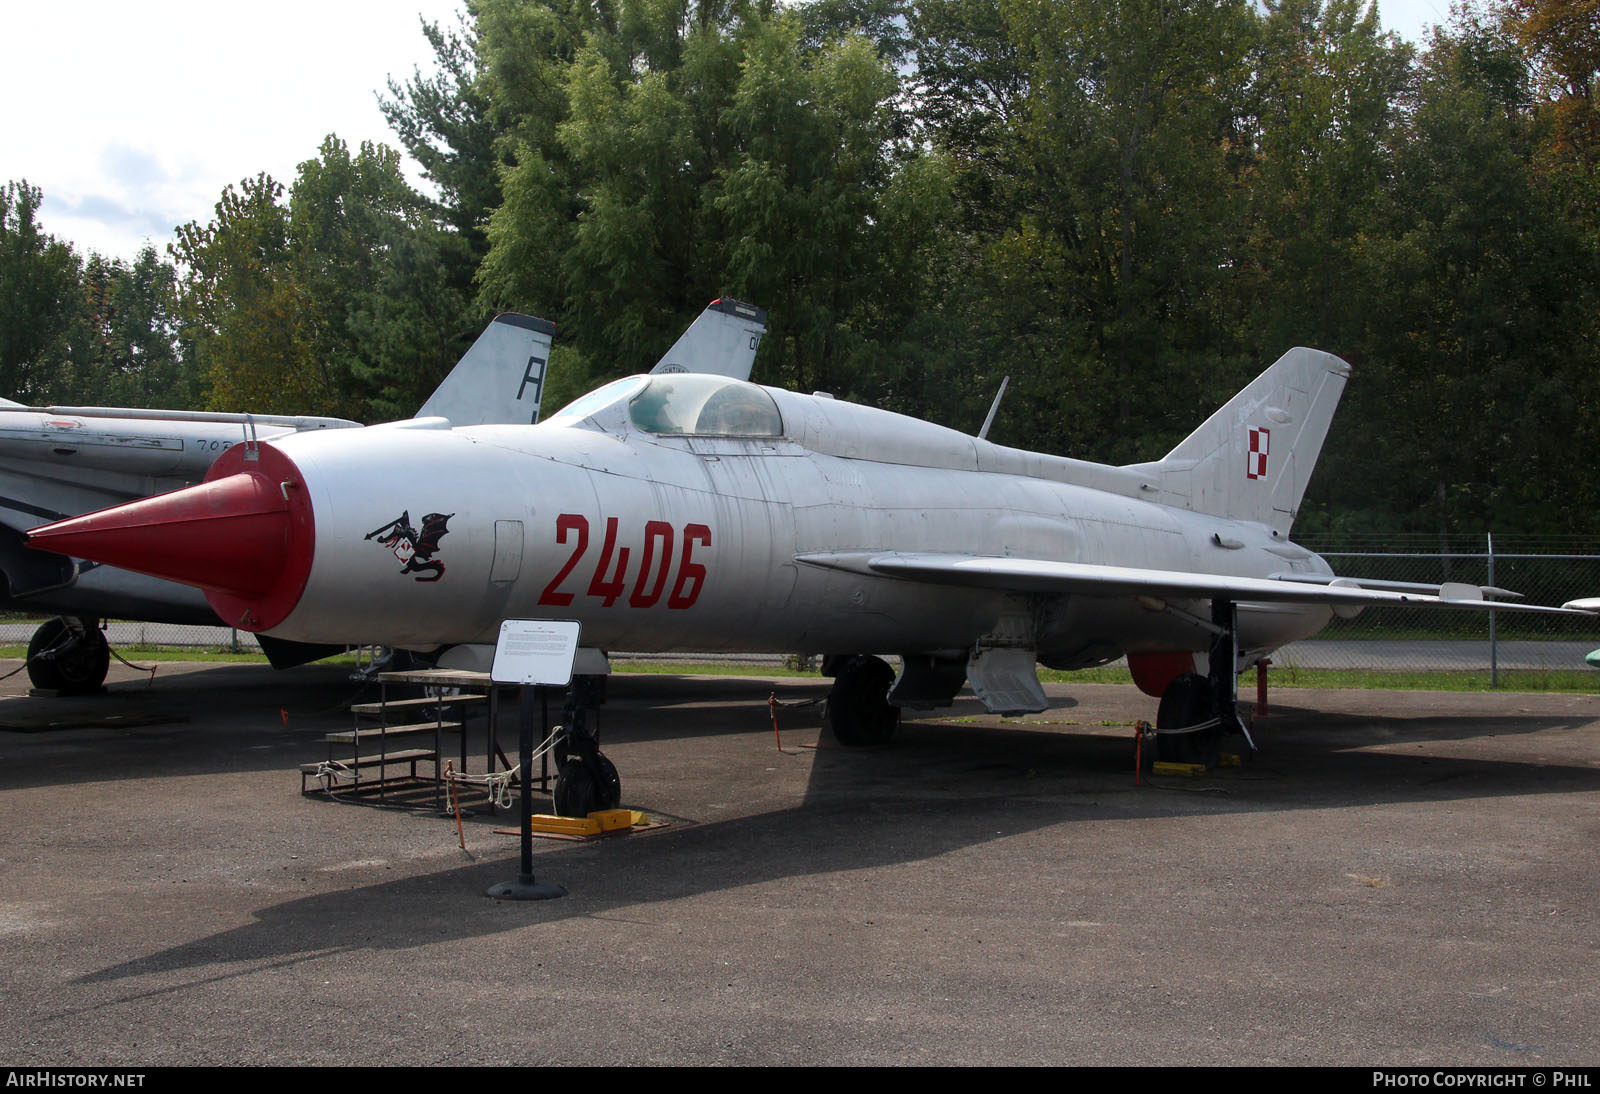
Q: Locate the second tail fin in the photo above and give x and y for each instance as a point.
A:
(500, 379)
(722, 340)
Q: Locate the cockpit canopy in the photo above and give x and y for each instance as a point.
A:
(683, 404)
(705, 406)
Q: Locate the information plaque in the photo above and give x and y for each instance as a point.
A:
(535, 651)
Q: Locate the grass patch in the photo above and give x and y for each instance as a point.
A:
(683, 668)
(1105, 674)
(1581, 681)
(1563, 680)
(1567, 680)
(220, 654)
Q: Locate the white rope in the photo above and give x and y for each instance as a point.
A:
(1192, 729)
(330, 772)
(497, 783)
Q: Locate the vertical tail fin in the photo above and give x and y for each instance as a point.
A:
(1252, 459)
(722, 340)
(501, 378)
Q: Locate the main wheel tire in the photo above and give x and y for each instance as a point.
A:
(609, 791)
(858, 711)
(75, 665)
(578, 794)
(1187, 702)
(575, 790)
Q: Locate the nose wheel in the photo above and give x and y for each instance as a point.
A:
(586, 780)
(581, 790)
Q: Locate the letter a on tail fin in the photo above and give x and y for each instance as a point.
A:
(501, 378)
(1252, 459)
(723, 341)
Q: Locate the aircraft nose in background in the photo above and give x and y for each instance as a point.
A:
(245, 536)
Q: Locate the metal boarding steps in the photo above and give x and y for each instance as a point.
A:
(373, 746)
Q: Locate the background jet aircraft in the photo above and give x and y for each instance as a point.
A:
(722, 340)
(59, 461)
(682, 512)
(56, 462)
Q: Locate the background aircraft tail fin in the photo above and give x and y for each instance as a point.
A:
(501, 378)
(723, 341)
(1252, 459)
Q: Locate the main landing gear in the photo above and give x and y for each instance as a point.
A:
(1187, 705)
(69, 656)
(1197, 711)
(858, 711)
(586, 781)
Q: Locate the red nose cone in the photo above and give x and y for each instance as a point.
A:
(245, 536)
(227, 535)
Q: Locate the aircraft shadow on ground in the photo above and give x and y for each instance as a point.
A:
(243, 718)
(1341, 729)
(251, 718)
(950, 787)
(216, 720)
(1307, 760)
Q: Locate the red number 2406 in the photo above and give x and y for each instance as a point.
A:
(610, 580)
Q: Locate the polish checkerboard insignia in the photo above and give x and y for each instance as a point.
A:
(1256, 459)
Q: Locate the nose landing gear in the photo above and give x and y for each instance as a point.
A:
(586, 781)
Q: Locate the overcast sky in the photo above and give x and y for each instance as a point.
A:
(132, 115)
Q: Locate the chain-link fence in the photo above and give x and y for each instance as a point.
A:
(1512, 648)
(17, 628)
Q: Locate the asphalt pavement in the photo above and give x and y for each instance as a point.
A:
(1399, 878)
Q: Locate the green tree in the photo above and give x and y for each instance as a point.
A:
(1561, 39)
(1326, 99)
(972, 87)
(416, 321)
(1475, 360)
(40, 297)
(243, 317)
(339, 300)
(358, 238)
(443, 120)
(611, 122)
(1096, 148)
(664, 152)
(802, 199)
(446, 122)
(124, 338)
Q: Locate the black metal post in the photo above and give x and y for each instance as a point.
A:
(525, 887)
